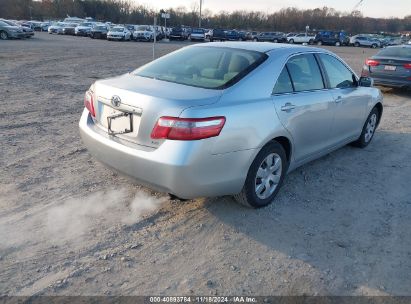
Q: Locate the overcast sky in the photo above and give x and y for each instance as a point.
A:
(371, 8)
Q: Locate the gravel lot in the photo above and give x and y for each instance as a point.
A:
(69, 226)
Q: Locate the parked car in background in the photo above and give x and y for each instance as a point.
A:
(84, 29)
(390, 41)
(331, 38)
(276, 37)
(119, 33)
(360, 40)
(251, 35)
(99, 31)
(233, 35)
(144, 33)
(208, 33)
(56, 28)
(301, 38)
(390, 67)
(69, 28)
(243, 35)
(35, 25)
(45, 26)
(131, 28)
(197, 34)
(28, 32)
(180, 33)
(8, 31)
(218, 35)
(193, 124)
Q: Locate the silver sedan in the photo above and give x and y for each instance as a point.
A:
(228, 119)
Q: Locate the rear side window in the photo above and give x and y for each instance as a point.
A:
(338, 74)
(305, 73)
(283, 84)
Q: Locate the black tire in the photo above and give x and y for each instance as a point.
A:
(356, 44)
(374, 46)
(337, 43)
(275, 40)
(319, 42)
(248, 196)
(291, 41)
(255, 40)
(311, 42)
(363, 140)
(4, 35)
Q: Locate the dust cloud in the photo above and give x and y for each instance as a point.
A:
(78, 218)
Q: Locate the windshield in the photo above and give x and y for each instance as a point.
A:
(198, 31)
(204, 67)
(9, 23)
(2, 23)
(143, 28)
(86, 24)
(101, 27)
(404, 52)
(117, 29)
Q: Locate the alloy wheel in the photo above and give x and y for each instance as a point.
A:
(3, 35)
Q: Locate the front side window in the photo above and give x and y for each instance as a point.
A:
(305, 73)
(338, 74)
(204, 67)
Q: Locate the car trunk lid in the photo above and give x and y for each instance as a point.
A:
(134, 104)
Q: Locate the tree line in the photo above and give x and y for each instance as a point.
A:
(128, 12)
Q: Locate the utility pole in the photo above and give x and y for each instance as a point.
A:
(201, 6)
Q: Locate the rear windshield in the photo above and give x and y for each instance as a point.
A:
(204, 67)
(198, 31)
(404, 52)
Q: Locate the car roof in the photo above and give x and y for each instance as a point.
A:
(262, 47)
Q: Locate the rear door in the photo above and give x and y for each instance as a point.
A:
(350, 99)
(304, 106)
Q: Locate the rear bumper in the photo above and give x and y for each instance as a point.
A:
(141, 38)
(186, 169)
(115, 38)
(395, 83)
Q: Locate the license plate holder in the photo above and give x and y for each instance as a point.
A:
(390, 68)
(123, 115)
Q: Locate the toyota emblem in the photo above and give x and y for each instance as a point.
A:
(116, 101)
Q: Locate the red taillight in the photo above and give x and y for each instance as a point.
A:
(89, 103)
(407, 66)
(187, 128)
(372, 62)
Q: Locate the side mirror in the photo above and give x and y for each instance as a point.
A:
(366, 82)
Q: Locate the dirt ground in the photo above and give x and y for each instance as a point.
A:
(69, 226)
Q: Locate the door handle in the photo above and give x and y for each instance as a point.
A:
(338, 99)
(288, 107)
